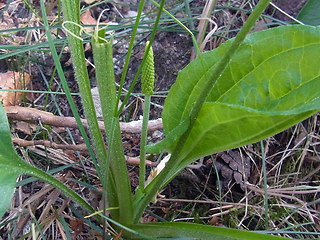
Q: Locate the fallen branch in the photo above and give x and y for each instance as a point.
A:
(80, 147)
(25, 143)
(135, 161)
(35, 115)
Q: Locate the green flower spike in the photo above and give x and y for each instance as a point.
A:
(147, 75)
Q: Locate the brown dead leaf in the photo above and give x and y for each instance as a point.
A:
(261, 25)
(13, 80)
(214, 221)
(77, 227)
(87, 19)
(25, 127)
(8, 22)
(146, 218)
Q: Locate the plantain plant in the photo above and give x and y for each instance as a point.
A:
(249, 88)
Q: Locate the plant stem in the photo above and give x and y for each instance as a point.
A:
(189, 14)
(119, 180)
(143, 142)
(71, 10)
(157, 183)
(103, 61)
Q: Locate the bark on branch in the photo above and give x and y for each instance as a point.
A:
(35, 115)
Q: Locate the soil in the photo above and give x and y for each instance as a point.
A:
(172, 53)
(291, 7)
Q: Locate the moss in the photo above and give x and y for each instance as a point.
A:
(232, 219)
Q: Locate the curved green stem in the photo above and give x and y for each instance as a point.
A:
(116, 163)
(266, 220)
(23, 167)
(37, 173)
(143, 142)
(126, 65)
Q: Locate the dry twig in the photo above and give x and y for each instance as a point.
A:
(34, 115)
(80, 147)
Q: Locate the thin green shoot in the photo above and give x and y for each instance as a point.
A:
(59, 17)
(126, 65)
(100, 211)
(265, 183)
(183, 209)
(155, 216)
(91, 225)
(5, 8)
(153, 34)
(67, 229)
(32, 10)
(26, 48)
(67, 90)
(38, 91)
(50, 172)
(50, 83)
(73, 93)
(143, 142)
(219, 186)
(35, 221)
(190, 19)
(147, 86)
(183, 26)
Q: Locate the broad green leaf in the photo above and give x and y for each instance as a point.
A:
(180, 230)
(7, 186)
(11, 166)
(309, 14)
(270, 84)
(170, 138)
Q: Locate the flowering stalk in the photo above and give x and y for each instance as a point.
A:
(147, 85)
(115, 170)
